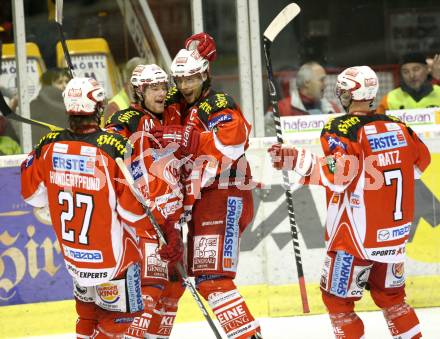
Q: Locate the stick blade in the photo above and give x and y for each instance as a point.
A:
(281, 20)
(125, 172)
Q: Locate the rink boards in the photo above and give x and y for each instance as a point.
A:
(32, 272)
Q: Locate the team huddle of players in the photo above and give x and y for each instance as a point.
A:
(176, 141)
(185, 148)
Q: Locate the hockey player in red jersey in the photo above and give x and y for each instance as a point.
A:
(370, 164)
(218, 200)
(94, 215)
(160, 185)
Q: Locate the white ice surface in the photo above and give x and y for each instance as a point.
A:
(304, 327)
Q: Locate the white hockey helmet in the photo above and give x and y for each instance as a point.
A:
(145, 75)
(187, 63)
(83, 96)
(360, 81)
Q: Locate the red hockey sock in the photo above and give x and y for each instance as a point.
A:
(139, 326)
(402, 321)
(164, 314)
(347, 325)
(87, 319)
(230, 308)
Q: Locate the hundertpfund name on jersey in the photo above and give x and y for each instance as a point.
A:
(74, 180)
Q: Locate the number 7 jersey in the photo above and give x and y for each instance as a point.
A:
(370, 211)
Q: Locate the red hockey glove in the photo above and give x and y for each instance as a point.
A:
(173, 250)
(185, 136)
(289, 158)
(205, 45)
(283, 157)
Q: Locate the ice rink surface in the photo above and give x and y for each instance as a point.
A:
(305, 327)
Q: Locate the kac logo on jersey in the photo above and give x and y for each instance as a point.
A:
(230, 246)
(108, 293)
(341, 273)
(386, 141)
(355, 200)
(73, 163)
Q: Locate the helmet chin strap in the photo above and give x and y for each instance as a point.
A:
(206, 85)
(345, 100)
(140, 99)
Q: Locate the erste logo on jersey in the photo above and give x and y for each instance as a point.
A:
(386, 141)
(73, 163)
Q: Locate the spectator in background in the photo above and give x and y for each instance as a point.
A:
(11, 99)
(306, 96)
(434, 68)
(416, 86)
(48, 106)
(125, 96)
(8, 146)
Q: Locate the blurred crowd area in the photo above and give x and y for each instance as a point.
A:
(327, 37)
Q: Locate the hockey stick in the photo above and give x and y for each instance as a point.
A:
(8, 113)
(59, 23)
(182, 272)
(275, 27)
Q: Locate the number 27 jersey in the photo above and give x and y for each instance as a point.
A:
(90, 206)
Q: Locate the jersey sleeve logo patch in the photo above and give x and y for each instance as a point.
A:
(29, 160)
(334, 142)
(219, 119)
(371, 129)
(392, 126)
(386, 141)
(88, 150)
(60, 148)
